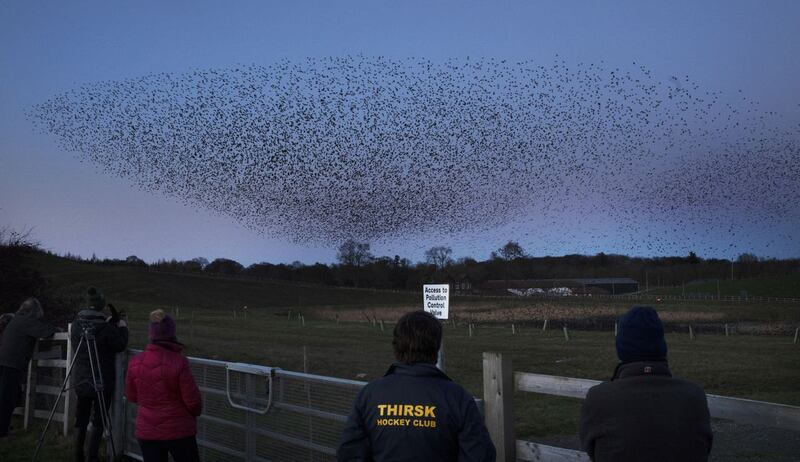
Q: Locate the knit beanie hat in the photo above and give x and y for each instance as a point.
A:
(162, 326)
(95, 299)
(640, 336)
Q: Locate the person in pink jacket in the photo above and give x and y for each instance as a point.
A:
(160, 381)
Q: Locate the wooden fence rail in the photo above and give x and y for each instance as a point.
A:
(739, 410)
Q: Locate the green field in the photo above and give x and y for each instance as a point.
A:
(762, 367)
(787, 286)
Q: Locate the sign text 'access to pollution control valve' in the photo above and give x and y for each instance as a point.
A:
(435, 299)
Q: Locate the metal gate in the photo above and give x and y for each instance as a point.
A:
(257, 413)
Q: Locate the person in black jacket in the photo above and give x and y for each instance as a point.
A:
(5, 320)
(111, 337)
(16, 349)
(415, 412)
(644, 413)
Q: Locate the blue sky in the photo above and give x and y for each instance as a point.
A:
(47, 48)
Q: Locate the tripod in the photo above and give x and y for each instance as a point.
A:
(87, 341)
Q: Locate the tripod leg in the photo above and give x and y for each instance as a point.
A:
(97, 376)
(58, 399)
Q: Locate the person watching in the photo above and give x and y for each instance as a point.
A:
(415, 412)
(16, 349)
(110, 335)
(644, 413)
(160, 381)
(5, 319)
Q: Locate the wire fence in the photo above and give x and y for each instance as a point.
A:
(257, 413)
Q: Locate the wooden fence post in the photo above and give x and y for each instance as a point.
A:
(726, 330)
(796, 332)
(616, 329)
(691, 333)
(498, 391)
(513, 329)
(30, 390)
(566, 334)
(544, 326)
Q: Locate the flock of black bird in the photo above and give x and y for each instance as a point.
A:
(372, 148)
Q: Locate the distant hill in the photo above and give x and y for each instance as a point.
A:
(140, 287)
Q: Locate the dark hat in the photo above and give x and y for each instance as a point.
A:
(640, 336)
(162, 326)
(95, 299)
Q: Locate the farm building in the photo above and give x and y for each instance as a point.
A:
(578, 286)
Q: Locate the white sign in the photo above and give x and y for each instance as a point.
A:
(435, 299)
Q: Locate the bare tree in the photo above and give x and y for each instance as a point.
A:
(747, 258)
(12, 238)
(510, 251)
(439, 256)
(354, 253)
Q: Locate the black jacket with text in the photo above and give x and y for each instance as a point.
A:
(415, 413)
(645, 414)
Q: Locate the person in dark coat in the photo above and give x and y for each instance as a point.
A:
(644, 413)
(16, 349)
(161, 383)
(5, 319)
(111, 337)
(415, 412)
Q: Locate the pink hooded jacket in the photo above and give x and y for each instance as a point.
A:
(160, 381)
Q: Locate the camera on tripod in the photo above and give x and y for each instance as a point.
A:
(97, 338)
(88, 326)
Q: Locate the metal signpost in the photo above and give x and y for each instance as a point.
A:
(436, 301)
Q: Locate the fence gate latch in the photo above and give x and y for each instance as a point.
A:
(253, 374)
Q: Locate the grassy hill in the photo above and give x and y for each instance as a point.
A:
(130, 286)
(139, 290)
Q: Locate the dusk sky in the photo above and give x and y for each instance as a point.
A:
(740, 51)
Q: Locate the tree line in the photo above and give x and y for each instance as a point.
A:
(357, 266)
